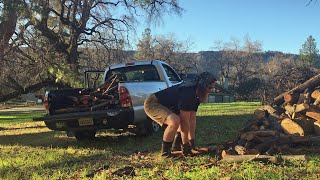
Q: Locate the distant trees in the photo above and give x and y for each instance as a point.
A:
(309, 52)
(239, 62)
(168, 49)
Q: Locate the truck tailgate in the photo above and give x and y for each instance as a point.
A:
(139, 91)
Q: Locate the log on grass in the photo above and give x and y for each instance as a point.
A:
(290, 127)
(309, 84)
(263, 158)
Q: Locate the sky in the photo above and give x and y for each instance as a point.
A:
(281, 25)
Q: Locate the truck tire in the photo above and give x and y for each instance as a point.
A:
(85, 135)
(147, 128)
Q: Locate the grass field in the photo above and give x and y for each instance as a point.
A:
(28, 150)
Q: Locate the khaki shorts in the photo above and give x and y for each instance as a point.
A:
(155, 110)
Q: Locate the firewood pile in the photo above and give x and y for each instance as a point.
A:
(290, 125)
(94, 99)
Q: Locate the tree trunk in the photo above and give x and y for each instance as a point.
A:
(8, 24)
(32, 88)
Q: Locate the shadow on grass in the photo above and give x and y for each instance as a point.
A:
(8, 112)
(210, 130)
(58, 161)
(116, 143)
(213, 130)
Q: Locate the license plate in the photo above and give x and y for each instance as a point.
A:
(85, 121)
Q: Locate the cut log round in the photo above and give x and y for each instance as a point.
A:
(306, 124)
(291, 128)
(291, 98)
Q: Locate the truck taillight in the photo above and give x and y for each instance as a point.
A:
(46, 102)
(124, 96)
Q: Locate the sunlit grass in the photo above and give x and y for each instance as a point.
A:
(14, 118)
(29, 150)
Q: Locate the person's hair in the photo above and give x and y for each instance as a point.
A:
(204, 81)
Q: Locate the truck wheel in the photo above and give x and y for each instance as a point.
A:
(85, 135)
(153, 126)
(147, 128)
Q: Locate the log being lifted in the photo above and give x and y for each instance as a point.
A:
(309, 84)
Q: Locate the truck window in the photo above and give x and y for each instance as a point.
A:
(173, 76)
(137, 73)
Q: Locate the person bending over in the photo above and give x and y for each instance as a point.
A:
(176, 107)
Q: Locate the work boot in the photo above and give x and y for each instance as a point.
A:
(186, 149)
(176, 146)
(192, 144)
(166, 149)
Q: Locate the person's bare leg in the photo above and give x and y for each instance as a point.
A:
(172, 122)
(192, 131)
(177, 142)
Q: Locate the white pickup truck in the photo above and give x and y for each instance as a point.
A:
(123, 107)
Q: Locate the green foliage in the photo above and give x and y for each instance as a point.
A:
(63, 73)
(309, 51)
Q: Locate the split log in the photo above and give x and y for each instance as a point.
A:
(263, 158)
(292, 109)
(260, 113)
(290, 127)
(316, 96)
(248, 136)
(309, 84)
(317, 127)
(240, 149)
(289, 139)
(270, 109)
(273, 117)
(314, 114)
(305, 123)
(304, 97)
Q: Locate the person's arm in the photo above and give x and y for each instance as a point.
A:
(185, 125)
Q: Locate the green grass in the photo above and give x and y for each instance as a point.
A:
(14, 118)
(28, 150)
